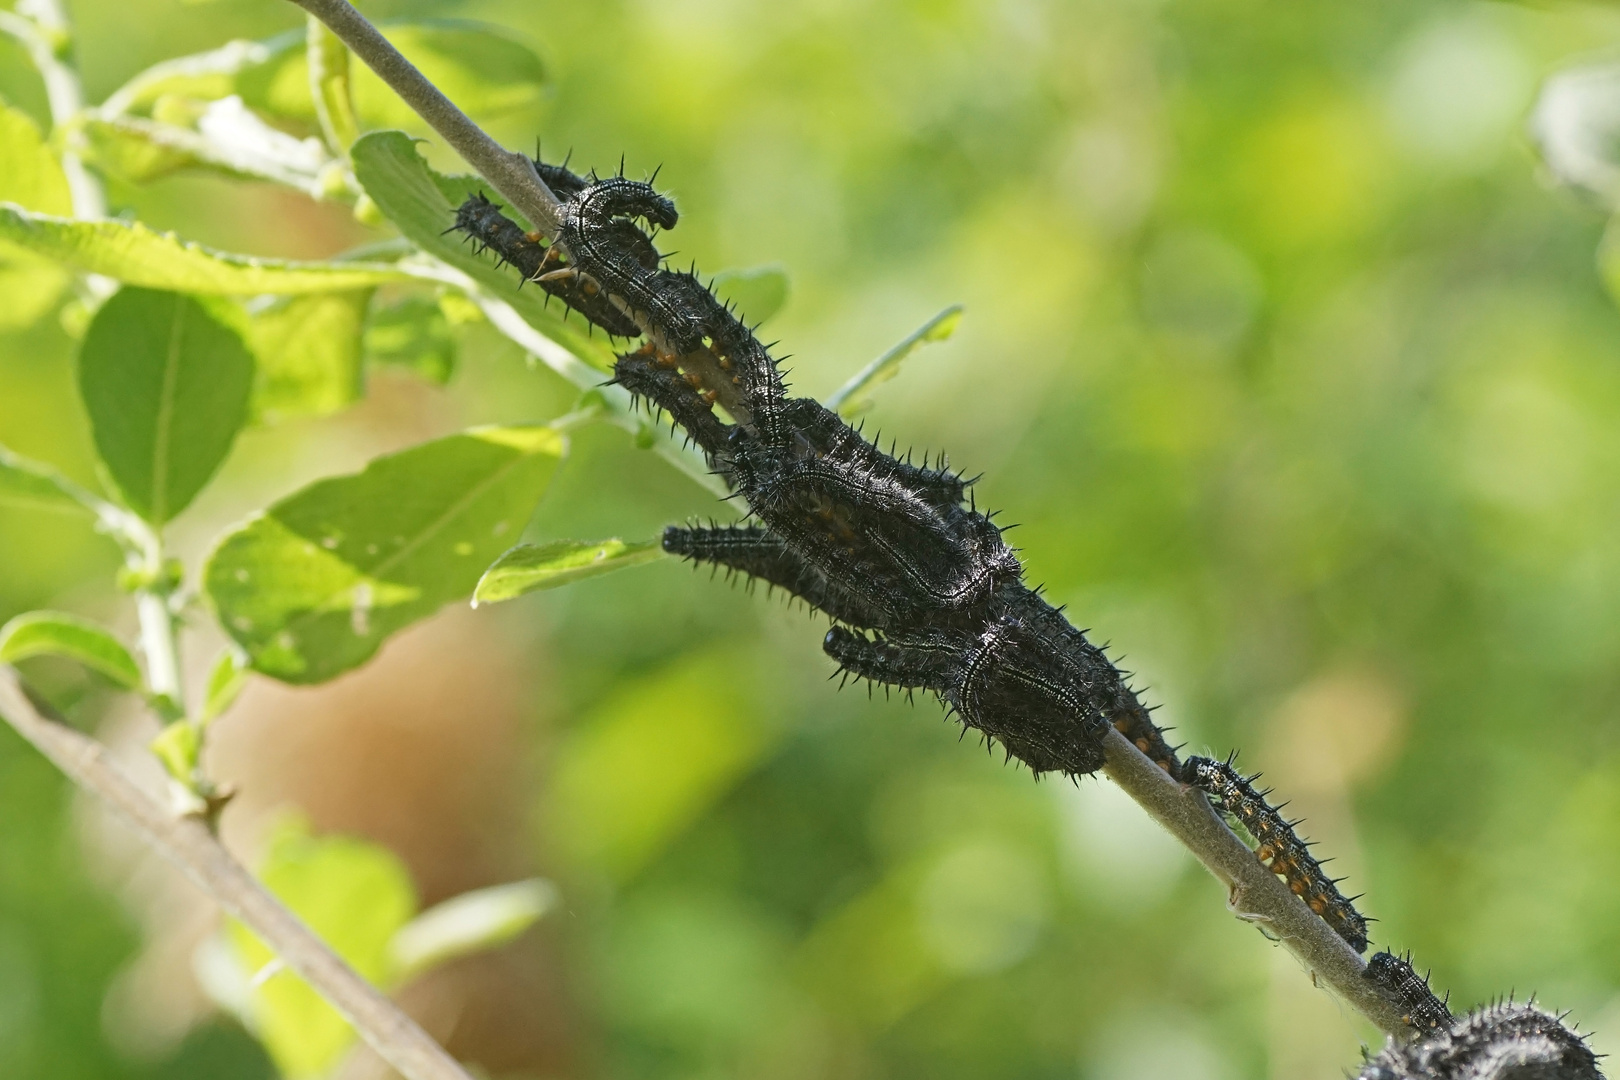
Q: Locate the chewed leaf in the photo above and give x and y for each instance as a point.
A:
(55, 633)
(134, 254)
(166, 384)
(854, 397)
(469, 923)
(757, 292)
(530, 567)
(316, 584)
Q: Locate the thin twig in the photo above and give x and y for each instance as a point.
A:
(509, 173)
(1254, 893)
(187, 843)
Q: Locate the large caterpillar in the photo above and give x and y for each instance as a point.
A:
(1505, 1041)
(1279, 847)
(923, 591)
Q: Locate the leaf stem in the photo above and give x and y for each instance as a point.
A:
(511, 174)
(188, 843)
(1254, 893)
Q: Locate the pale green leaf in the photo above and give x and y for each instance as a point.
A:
(855, 396)
(755, 293)
(221, 136)
(55, 633)
(30, 175)
(531, 567)
(29, 484)
(133, 253)
(203, 76)
(423, 204)
(308, 353)
(470, 923)
(166, 383)
(355, 895)
(413, 334)
(312, 587)
(653, 758)
(226, 680)
(329, 85)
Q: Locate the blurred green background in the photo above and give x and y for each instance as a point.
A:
(1299, 378)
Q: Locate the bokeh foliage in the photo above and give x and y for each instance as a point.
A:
(1302, 384)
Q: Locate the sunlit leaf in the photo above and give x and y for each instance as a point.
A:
(531, 567)
(133, 253)
(756, 293)
(308, 353)
(312, 587)
(329, 85)
(653, 758)
(30, 175)
(423, 204)
(356, 896)
(855, 396)
(28, 484)
(467, 924)
(226, 681)
(413, 334)
(205, 76)
(166, 384)
(55, 633)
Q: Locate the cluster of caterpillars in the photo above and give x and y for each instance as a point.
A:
(923, 592)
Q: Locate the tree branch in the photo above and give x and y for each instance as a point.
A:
(511, 174)
(188, 844)
(1254, 893)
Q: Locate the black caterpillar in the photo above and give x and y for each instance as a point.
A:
(1420, 1008)
(922, 590)
(1279, 847)
(1505, 1041)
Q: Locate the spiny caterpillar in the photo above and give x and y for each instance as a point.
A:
(1420, 1008)
(1279, 847)
(922, 590)
(1505, 1041)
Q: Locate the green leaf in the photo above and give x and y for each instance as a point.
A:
(757, 293)
(55, 633)
(314, 586)
(222, 136)
(329, 85)
(133, 253)
(204, 76)
(356, 896)
(531, 567)
(412, 334)
(423, 204)
(29, 484)
(177, 747)
(30, 175)
(166, 384)
(485, 69)
(855, 396)
(226, 681)
(470, 923)
(308, 353)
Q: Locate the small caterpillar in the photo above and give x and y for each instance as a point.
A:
(1505, 1041)
(1280, 848)
(1419, 1006)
